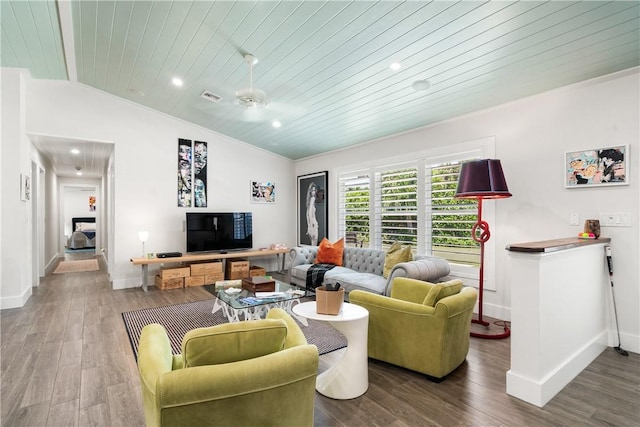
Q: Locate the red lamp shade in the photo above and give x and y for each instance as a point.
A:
(482, 179)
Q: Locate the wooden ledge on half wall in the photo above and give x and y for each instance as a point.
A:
(555, 245)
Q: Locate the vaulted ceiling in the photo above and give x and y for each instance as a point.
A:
(325, 66)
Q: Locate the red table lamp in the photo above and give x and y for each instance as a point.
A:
(482, 179)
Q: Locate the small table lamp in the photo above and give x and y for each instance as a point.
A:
(143, 236)
(482, 179)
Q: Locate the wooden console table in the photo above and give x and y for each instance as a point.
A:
(144, 262)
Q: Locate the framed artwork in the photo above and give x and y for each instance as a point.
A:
(312, 208)
(185, 171)
(597, 167)
(263, 192)
(200, 151)
(25, 187)
(192, 173)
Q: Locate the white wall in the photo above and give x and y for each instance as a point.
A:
(531, 137)
(145, 171)
(76, 204)
(15, 215)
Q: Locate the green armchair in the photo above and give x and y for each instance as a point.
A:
(422, 326)
(258, 372)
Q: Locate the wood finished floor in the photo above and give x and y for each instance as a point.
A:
(66, 361)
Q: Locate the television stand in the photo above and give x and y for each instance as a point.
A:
(144, 262)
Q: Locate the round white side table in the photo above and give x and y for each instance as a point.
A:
(349, 376)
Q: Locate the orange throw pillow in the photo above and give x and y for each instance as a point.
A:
(330, 253)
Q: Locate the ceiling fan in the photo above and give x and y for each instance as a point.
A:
(251, 98)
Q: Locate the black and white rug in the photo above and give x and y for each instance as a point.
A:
(179, 319)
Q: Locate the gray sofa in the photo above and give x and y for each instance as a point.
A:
(362, 269)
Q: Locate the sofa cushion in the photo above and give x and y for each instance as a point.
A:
(442, 290)
(396, 254)
(355, 280)
(364, 260)
(231, 342)
(330, 253)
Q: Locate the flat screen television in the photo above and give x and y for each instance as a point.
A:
(219, 231)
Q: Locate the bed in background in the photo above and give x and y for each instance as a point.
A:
(83, 233)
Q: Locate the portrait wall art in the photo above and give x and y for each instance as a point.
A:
(597, 167)
(192, 173)
(312, 208)
(263, 192)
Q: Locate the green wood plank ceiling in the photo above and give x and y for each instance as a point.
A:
(325, 66)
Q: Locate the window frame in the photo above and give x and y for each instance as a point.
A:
(480, 148)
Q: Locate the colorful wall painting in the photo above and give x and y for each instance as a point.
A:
(263, 192)
(597, 167)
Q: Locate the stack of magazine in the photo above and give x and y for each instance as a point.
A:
(263, 297)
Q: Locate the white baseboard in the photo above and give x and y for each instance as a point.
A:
(126, 283)
(16, 301)
(627, 341)
(48, 269)
(538, 391)
(495, 311)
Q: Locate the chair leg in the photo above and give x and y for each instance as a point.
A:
(435, 379)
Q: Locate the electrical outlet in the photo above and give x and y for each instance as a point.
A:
(618, 219)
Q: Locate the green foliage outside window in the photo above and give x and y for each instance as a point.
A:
(450, 220)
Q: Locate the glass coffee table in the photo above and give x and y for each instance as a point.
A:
(241, 304)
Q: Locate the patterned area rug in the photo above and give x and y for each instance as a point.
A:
(179, 319)
(77, 266)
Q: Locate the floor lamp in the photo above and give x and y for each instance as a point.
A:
(482, 179)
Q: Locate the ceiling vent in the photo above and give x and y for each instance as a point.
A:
(210, 96)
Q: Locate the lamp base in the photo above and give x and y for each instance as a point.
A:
(496, 336)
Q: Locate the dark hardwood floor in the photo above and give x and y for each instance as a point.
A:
(66, 361)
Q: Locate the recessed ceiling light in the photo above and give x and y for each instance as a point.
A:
(395, 66)
(75, 151)
(177, 81)
(276, 124)
(421, 85)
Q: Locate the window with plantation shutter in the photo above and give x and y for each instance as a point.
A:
(412, 202)
(449, 220)
(396, 207)
(353, 199)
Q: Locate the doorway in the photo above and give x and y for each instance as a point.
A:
(37, 223)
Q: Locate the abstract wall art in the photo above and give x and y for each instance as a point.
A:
(597, 167)
(263, 192)
(192, 173)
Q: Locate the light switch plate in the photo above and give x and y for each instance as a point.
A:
(574, 218)
(615, 219)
